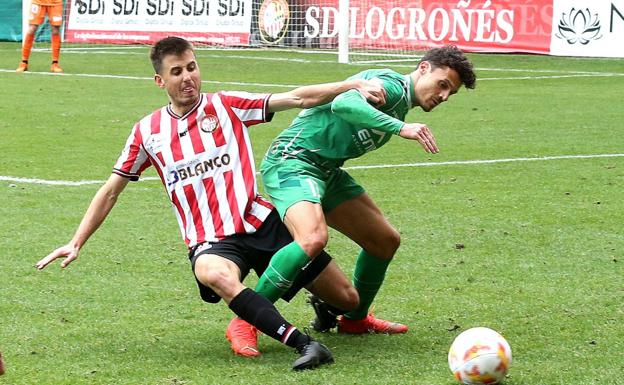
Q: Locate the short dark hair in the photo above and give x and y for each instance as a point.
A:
(171, 45)
(452, 57)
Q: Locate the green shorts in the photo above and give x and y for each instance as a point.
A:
(293, 180)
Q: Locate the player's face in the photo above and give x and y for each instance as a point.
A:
(435, 86)
(181, 78)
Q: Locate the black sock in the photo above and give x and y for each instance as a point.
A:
(261, 313)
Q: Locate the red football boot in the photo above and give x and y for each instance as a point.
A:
(370, 324)
(243, 338)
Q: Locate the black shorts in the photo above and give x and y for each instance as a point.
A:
(254, 251)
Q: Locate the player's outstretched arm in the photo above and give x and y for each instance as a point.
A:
(102, 203)
(350, 107)
(353, 108)
(317, 94)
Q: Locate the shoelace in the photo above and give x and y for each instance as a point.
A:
(380, 324)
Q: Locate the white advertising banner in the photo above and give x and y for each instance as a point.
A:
(588, 28)
(555, 27)
(224, 22)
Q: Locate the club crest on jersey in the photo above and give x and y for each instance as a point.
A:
(209, 123)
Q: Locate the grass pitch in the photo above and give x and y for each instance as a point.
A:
(515, 225)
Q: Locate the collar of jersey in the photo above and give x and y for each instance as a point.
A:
(176, 116)
(411, 93)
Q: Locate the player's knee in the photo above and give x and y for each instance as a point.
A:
(312, 243)
(387, 245)
(394, 240)
(218, 278)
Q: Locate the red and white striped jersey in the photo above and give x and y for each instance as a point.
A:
(205, 162)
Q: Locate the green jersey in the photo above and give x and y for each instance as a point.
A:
(348, 127)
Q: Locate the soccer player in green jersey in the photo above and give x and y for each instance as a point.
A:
(303, 176)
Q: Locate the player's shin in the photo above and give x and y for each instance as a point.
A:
(27, 46)
(282, 271)
(56, 47)
(262, 314)
(368, 276)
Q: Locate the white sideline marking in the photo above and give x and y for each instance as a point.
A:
(29, 73)
(485, 161)
(578, 75)
(423, 164)
(51, 182)
(245, 84)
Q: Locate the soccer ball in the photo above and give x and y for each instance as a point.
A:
(479, 356)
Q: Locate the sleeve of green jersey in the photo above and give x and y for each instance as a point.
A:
(355, 109)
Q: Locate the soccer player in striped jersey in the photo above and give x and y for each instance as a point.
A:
(302, 175)
(38, 10)
(200, 147)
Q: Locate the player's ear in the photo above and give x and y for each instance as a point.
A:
(424, 67)
(159, 81)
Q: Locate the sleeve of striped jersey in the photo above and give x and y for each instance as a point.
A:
(133, 159)
(250, 108)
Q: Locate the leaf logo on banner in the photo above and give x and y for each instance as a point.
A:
(579, 26)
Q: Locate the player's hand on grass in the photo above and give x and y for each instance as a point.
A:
(373, 91)
(421, 133)
(69, 251)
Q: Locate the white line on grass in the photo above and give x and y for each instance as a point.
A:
(553, 76)
(245, 84)
(53, 182)
(102, 76)
(369, 167)
(484, 161)
(126, 50)
(399, 63)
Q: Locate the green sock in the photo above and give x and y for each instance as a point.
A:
(282, 271)
(367, 278)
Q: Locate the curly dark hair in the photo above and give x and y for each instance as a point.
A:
(171, 45)
(452, 57)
